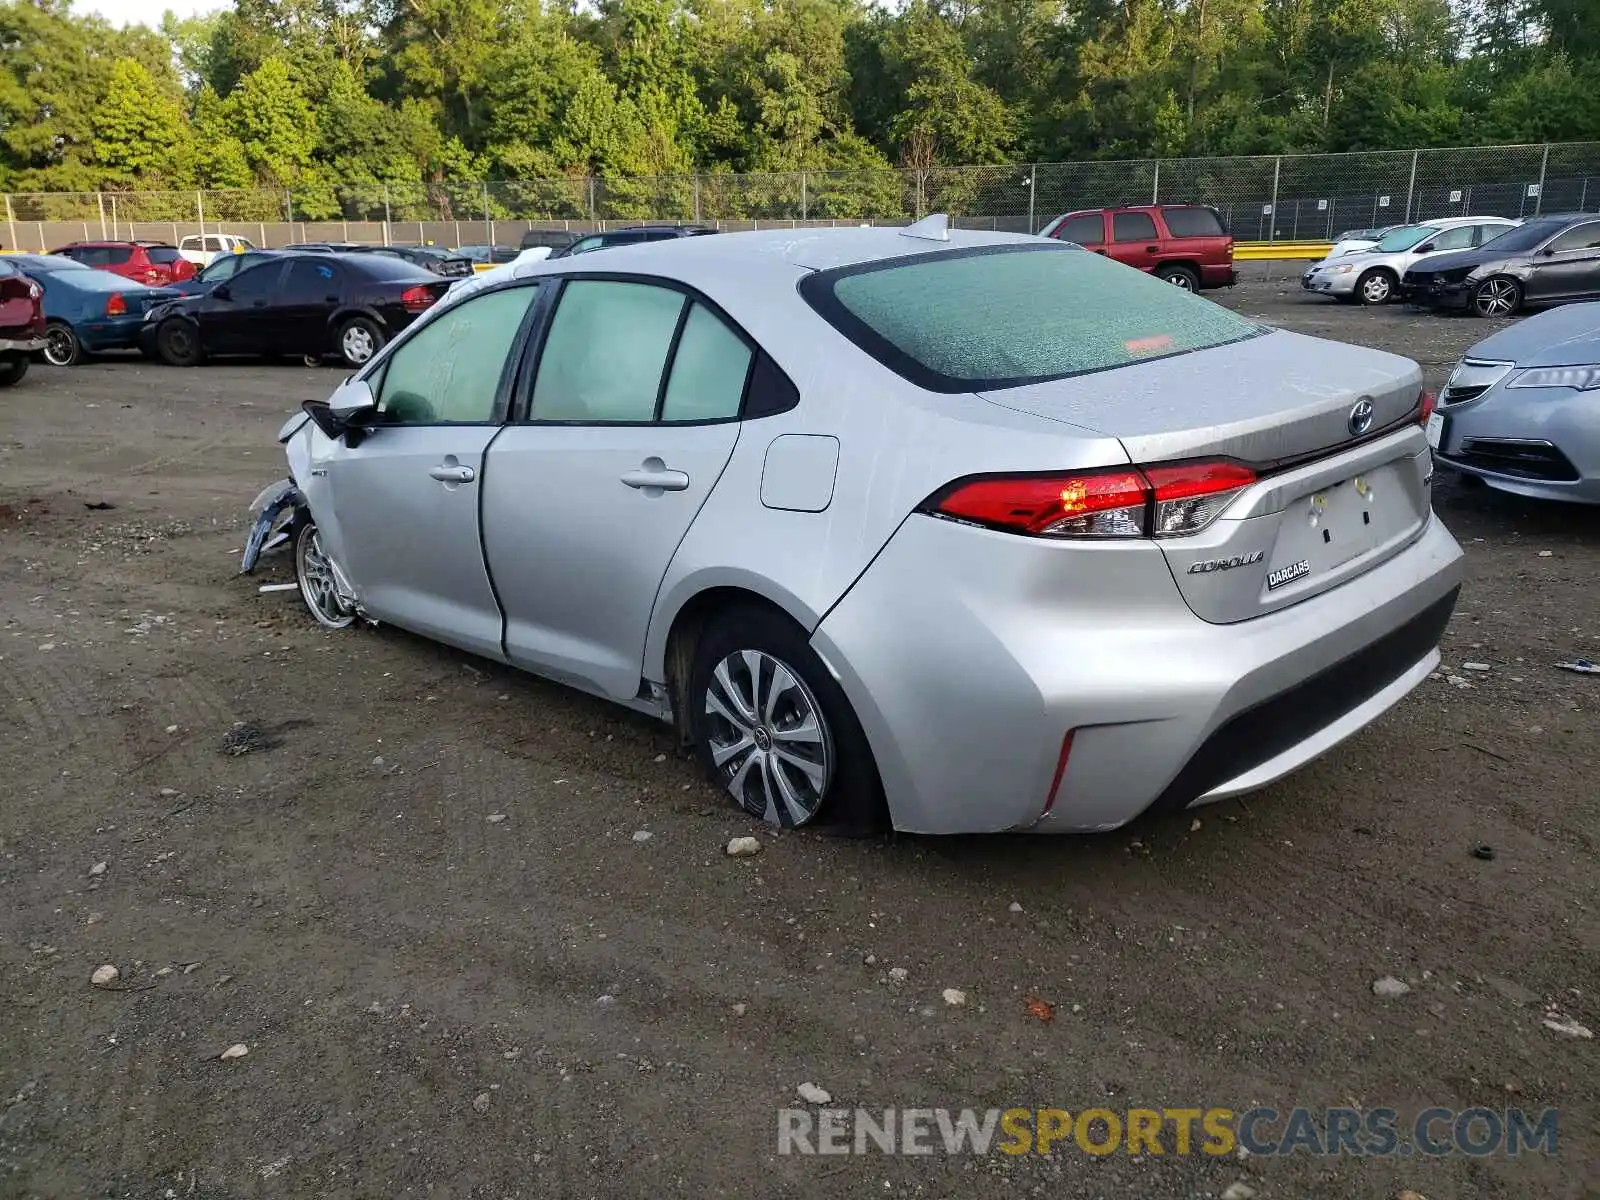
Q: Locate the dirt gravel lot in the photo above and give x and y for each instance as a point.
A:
(437, 1004)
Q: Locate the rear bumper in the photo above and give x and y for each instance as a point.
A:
(118, 333)
(968, 655)
(1218, 276)
(24, 344)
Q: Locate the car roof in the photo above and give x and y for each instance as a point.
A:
(781, 253)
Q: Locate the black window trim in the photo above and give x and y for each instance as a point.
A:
(523, 400)
(816, 289)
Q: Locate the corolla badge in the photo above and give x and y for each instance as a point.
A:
(1206, 566)
(1360, 418)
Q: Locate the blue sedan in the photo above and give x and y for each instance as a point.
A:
(85, 310)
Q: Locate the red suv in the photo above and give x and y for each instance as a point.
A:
(21, 323)
(153, 263)
(1185, 244)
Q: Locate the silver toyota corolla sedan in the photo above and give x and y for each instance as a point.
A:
(964, 531)
(1522, 409)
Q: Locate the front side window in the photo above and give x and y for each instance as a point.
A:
(606, 352)
(1403, 238)
(972, 320)
(1133, 227)
(221, 268)
(1579, 237)
(258, 283)
(449, 372)
(1087, 230)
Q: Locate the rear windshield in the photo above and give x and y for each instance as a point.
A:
(162, 254)
(997, 317)
(391, 269)
(1192, 222)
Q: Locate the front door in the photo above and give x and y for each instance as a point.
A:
(1134, 239)
(401, 515)
(630, 422)
(237, 323)
(1569, 267)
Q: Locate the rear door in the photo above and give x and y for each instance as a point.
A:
(627, 427)
(1135, 239)
(298, 315)
(401, 504)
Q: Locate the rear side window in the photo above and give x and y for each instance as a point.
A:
(163, 254)
(1579, 237)
(214, 243)
(1133, 227)
(1192, 222)
(972, 320)
(709, 369)
(1085, 231)
(1459, 238)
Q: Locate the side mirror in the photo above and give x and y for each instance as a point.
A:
(1425, 248)
(1549, 251)
(221, 292)
(352, 399)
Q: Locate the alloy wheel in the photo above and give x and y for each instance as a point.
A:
(357, 344)
(1496, 298)
(768, 740)
(59, 346)
(318, 587)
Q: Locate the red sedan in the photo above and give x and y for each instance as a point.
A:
(152, 263)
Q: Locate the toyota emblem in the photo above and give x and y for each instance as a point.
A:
(1360, 418)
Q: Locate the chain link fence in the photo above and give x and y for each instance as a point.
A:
(1299, 197)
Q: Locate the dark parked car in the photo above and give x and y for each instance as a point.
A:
(310, 305)
(1185, 244)
(630, 235)
(487, 256)
(223, 268)
(21, 323)
(1543, 261)
(430, 258)
(87, 310)
(556, 239)
(154, 263)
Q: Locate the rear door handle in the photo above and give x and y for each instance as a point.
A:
(653, 473)
(451, 473)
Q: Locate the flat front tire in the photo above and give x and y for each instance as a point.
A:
(313, 571)
(178, 342)
(774, 729)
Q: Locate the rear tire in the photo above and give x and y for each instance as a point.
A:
(1179, 277)
(359, 339)
(61, 345)
(773, 728)
(178, 342)
(1375, 287)
(1497, 296)
(12, 368)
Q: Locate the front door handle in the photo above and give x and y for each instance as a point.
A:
(654, 474)
(452, 473)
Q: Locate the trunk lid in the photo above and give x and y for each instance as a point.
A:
(1334, 500)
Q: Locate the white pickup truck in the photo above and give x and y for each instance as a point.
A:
(200, 249)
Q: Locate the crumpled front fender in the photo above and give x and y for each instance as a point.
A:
(270, 505)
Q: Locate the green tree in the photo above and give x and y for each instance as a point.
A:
(141, 133)
(272, 121)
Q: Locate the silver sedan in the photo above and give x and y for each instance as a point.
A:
(953, 531)
(1522, 409)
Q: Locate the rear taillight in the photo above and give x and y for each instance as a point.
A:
(116, 306)
(154, 276)
(417, 299)
(1123, 502)
(1426, 403)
